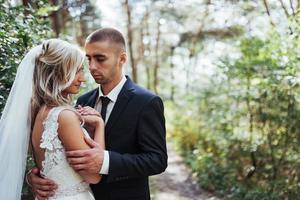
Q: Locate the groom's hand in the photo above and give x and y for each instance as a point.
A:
(89, 160)
(43, 188)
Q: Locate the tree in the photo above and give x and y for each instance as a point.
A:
(127, 8)
(16, 38)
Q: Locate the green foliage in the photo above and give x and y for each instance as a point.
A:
(26, 192)
(243, 143)
(20, 29)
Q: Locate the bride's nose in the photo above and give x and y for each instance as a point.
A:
(81, 77)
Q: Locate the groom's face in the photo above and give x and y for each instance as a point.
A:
(105, 61)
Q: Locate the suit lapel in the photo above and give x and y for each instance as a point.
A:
(93, 98)
(122, 100)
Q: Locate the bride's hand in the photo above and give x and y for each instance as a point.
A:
(93, 121)
(92, 117)
(87, 110)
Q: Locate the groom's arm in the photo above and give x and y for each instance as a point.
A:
(152, 158)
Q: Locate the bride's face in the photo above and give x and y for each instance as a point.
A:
(75, 86)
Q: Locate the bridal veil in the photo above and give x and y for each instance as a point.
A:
(15, 127)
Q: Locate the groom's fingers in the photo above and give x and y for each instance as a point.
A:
(83, 153)
(80, 160)
(37, 181)
(76, 153)
(47, 188)
(43, 194)
(79, 167)
(38, 197)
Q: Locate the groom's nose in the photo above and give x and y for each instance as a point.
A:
(92, 66)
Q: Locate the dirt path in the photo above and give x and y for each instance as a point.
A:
(176, 183)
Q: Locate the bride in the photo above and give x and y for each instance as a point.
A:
(38, 108)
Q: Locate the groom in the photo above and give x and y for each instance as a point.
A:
(134, 130)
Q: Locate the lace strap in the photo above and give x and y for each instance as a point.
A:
(50, 138)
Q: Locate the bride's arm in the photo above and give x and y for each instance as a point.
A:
(72, 137)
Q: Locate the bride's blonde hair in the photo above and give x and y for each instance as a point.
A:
(55, 69)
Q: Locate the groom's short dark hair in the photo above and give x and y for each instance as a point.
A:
(107, 34)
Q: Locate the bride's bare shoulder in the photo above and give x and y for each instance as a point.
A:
(43, 112)
(68, 116)
(70, 131)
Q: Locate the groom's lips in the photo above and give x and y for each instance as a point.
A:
(96, 75)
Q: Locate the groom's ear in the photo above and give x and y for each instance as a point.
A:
(123, 57)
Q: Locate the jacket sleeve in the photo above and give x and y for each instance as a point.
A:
(152, 158)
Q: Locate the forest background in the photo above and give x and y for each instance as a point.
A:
(228, 71)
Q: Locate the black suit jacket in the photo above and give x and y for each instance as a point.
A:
(135, 138)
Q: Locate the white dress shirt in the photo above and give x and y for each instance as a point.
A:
(112, 95)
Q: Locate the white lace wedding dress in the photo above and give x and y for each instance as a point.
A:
(55, 166)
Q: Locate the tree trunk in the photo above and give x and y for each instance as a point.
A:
(130, 42)
(83, 31)
(156, 65)
(172, 74)
(148, 49)
(56, 18)
(144, 31)
(284, 8)
(292, 7)
(268, 12)
(251, 119)
(26, 3)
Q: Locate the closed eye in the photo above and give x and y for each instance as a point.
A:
(80, 70)
(100, 57)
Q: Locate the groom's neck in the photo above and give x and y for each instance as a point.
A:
(106, 88)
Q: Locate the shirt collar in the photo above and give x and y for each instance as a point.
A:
(113, 94)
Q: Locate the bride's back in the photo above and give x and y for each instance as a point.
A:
(50, 153)
(37, 131)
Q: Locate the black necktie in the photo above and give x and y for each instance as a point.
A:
(105, 101)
